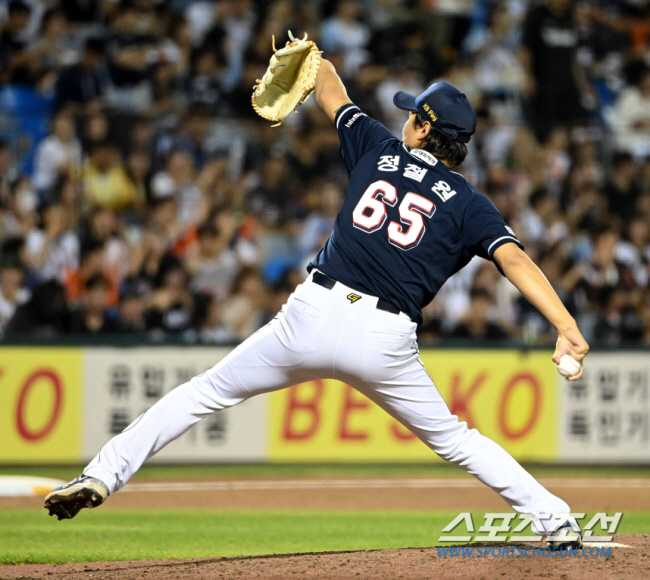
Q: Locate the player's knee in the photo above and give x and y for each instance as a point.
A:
(450, 442)
(210, 392)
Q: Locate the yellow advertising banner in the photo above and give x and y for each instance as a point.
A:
(40, 404)
(509, 396)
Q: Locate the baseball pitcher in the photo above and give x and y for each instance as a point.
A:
(407, 224)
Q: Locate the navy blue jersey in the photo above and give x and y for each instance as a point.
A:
(407, 223)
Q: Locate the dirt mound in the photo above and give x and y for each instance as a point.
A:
(419, 563)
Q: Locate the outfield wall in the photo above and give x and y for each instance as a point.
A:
(62, 404)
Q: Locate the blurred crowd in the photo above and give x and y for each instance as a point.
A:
(158, 203)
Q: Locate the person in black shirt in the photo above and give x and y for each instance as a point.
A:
(92, 317)
(550, 40)
(475, 322)
(10, 45)
(83, 83)
(621, 190)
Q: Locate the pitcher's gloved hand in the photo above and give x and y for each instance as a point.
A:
(289, 80)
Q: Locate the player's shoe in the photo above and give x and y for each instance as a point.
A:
(565, 537)
(66, 501)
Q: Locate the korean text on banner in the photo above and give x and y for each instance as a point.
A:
(605, 416)
(121, 384)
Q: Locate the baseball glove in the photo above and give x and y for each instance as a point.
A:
(289, 80)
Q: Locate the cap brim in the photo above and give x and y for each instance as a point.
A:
(404, 101)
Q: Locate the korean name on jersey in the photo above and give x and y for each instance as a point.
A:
(407, 222)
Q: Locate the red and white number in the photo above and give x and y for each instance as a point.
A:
(411, 210)
(370, 214)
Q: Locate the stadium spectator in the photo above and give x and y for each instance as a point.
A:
(164, 222)
(475, 322)
(178, 179)
(21, 216)
(131, 51)
(213, 328)
(346, 33)
(92, 262)
(631, 118)
(273, 203)
(230, 36)
(53, 250)
(192, 136)
(212, 262)
(92, 316)
(12, 277)
(57, 156)
(171, 307)
(131, 313)
(95, 130)
(103, 226)
(498, 69)
(621, 189)
(456, 19)
(138, 170)
(52, 50)
(244, 310)
(602, 272)
(166, 98)
(146, 259)
(83, 85)
(542, 221)
(204, 85)
(634, 250)
(105, 182)
(176, 46)
(549, 45)
(319, 223)
(11, 42)
(44, 315)
(617, 323)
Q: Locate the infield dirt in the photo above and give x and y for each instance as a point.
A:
(417, 563)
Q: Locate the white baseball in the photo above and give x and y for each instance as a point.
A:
(568, 366)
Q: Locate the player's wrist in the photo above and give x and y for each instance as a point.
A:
(566, 326)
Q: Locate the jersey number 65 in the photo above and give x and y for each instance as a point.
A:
(370, 214)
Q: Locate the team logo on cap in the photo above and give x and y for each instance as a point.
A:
(353, 297)
(430, 112)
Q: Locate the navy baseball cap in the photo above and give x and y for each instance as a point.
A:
(445, 107)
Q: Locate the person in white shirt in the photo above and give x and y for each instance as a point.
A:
(343, 33)
(53, 250)
(631, 118)
(57, 154)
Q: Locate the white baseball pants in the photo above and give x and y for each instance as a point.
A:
(320, 333)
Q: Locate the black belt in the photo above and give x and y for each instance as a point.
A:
(326, 282)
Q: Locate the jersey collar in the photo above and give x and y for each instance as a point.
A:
(422, 155)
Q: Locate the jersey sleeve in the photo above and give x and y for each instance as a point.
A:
(484, 229)
(358, 133)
